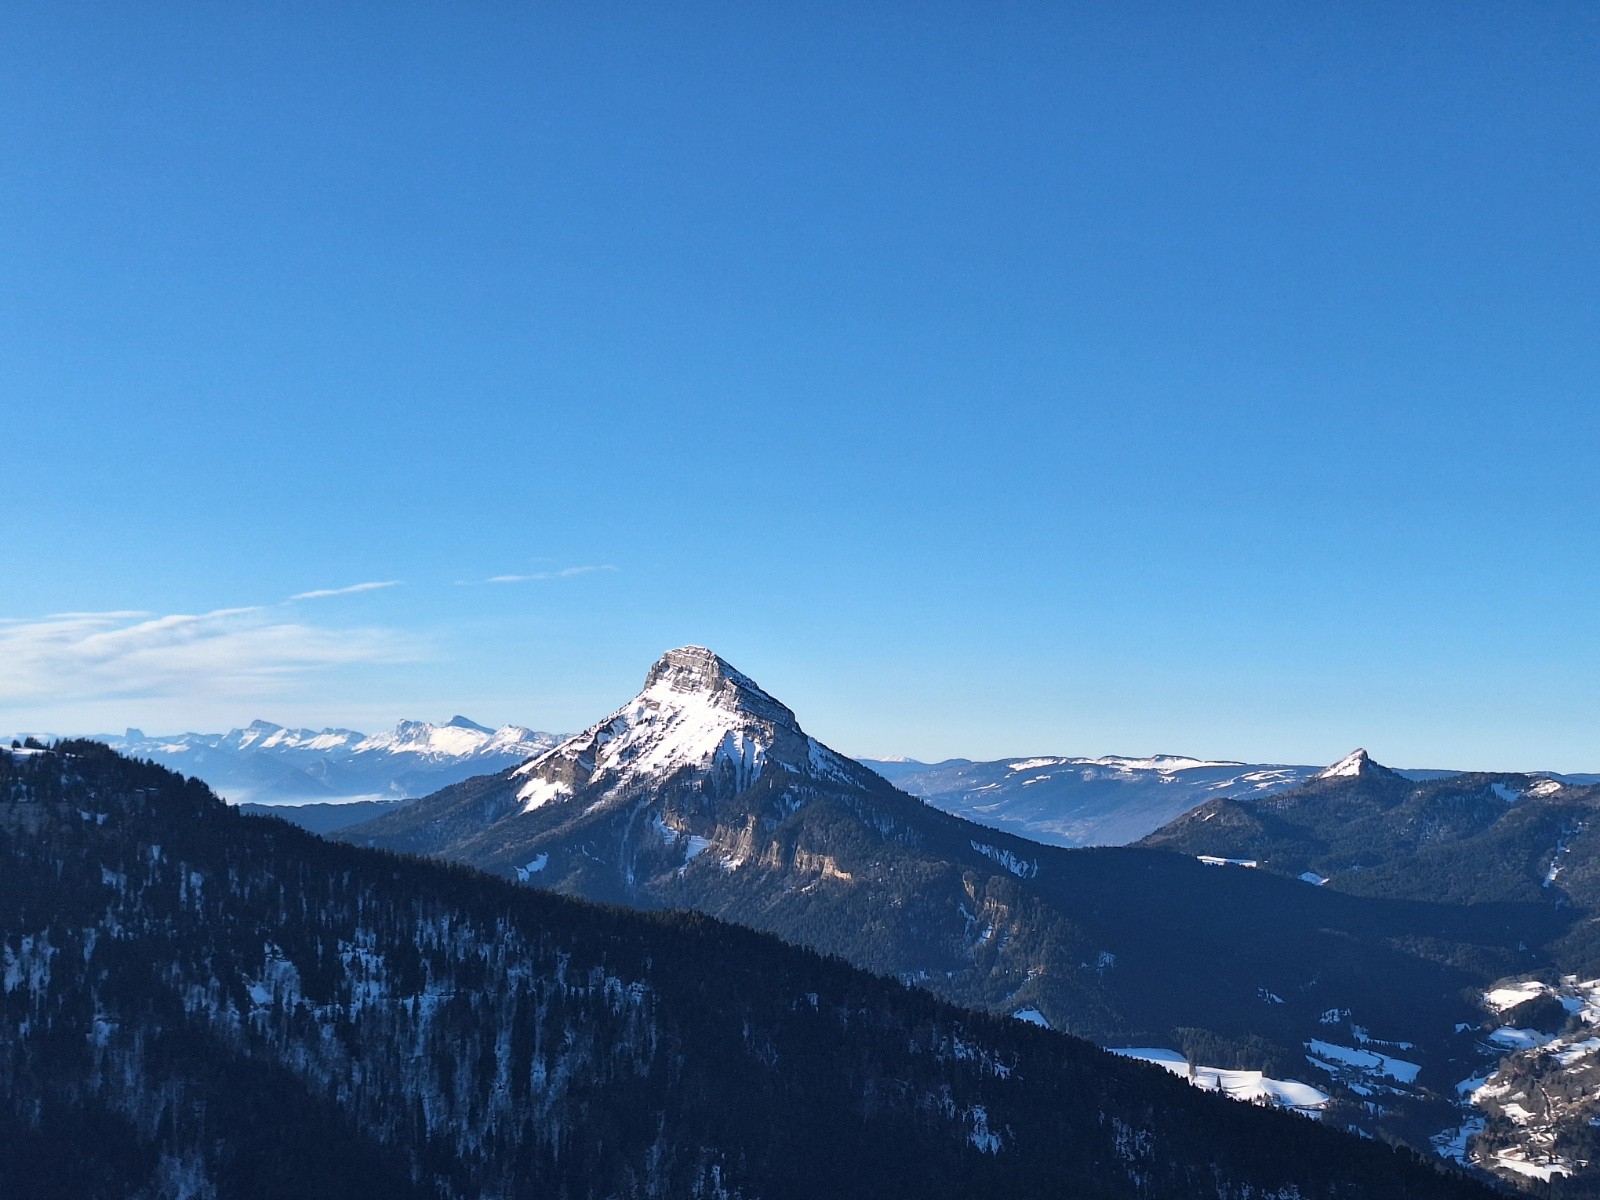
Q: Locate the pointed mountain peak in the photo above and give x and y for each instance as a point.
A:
(695, 675)
(697, 714)
(460, 722)
(1353, 765)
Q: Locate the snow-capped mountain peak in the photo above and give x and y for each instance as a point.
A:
(695, 713)
(307, 739)
(693, 676)
(459, 738)
(1357, 762)
(256, 731)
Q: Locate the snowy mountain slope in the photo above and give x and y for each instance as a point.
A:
(1063, 801)
(696, 715)
(265, 763)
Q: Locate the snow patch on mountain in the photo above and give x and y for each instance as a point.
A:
(1021, 868)
(1510, 995)
(538, 792)
(1508, 1038)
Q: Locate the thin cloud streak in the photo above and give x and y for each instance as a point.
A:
(322, 593)
(125, 613)
(226, 654)
(537, 576)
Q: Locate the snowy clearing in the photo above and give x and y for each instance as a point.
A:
(1325, 1055)
(1241, 1085)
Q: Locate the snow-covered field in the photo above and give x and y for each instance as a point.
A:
(1241, 1085)
(1359, 1069)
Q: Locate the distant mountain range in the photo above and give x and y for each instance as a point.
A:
(265, 763)
(337, 777)
(1106, 801)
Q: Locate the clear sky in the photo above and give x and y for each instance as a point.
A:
(983, 378)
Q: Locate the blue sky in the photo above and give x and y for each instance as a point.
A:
(983, 379)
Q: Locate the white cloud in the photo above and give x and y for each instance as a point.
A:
(320, 593)
(226, 654)
(562, 573)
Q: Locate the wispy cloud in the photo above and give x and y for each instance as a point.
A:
(320, 593)
(562, 573)
(226, 653)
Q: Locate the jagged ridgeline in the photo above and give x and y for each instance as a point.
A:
(202, 1003)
